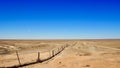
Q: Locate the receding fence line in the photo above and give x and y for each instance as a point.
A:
(39, 60)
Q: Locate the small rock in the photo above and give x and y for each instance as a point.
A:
(59, 62)
(86, 66)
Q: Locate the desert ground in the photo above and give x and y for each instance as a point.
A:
(79, 53)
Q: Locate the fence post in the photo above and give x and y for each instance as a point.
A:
(38, 59)
(61, 48)
(53, 53)
(18, 58)
(50, 53)
(58, 50)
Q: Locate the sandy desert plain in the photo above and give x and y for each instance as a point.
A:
(79, 53)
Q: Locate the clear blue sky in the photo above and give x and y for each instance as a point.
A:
(59, 19)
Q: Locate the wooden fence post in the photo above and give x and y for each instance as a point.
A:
(61, 48)
(53, 53)
(58, 50)
(18, 58)
(50, 53)
(38, 59)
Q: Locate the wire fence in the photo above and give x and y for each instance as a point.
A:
(19, 60)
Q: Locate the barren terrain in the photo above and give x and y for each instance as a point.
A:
(79, 53)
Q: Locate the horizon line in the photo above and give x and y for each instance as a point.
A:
(67, 39)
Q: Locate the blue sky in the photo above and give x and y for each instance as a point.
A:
(59, 19)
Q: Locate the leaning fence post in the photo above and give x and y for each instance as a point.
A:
(38, 59)
(18, 58)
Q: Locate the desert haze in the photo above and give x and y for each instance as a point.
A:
(67, 53)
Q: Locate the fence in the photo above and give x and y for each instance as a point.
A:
(20, 60)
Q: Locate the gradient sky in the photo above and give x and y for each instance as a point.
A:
(59, 19)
